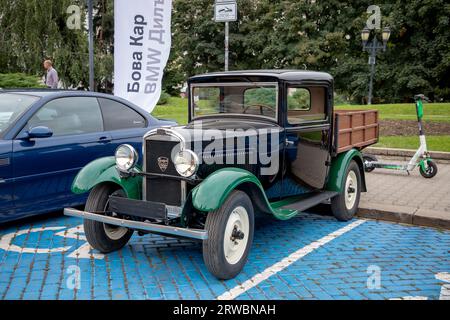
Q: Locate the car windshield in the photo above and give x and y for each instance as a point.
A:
(11, 107)
(258, 99)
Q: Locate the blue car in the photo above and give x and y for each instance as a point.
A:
(47, 137)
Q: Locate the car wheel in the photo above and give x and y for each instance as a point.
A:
(230, 236)
(430, 171)
(101, 236)
(345, 205)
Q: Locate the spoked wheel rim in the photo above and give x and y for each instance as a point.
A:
(351, 188)
(236, 235)
(114, 232)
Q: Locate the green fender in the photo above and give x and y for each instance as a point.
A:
(104, 170)
(339, 166)
(215, 189)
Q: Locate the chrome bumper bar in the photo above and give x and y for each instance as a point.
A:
(142, 226)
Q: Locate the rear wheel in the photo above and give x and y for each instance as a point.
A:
(230, 236)
(430, 171)
(101, 236)
(345, 205)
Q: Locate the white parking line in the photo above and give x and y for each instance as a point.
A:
(286, 262)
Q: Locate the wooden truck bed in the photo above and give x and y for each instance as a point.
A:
(355, 129)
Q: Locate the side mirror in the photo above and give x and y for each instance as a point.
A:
(40, 133)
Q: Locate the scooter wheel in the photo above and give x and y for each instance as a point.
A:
(369, 158)
(430, 171)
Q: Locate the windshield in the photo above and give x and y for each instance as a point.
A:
(11, 107)
(258, 99)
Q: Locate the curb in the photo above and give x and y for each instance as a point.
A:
(406, 215)
(405, 153)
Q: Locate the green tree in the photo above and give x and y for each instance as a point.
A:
(302, 34)
(34, 30)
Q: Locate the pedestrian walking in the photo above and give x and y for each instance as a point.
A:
(51, 79)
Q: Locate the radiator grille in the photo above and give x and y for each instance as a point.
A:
(158, 160)
(156, 152)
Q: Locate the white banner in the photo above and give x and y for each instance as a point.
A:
(142, 47)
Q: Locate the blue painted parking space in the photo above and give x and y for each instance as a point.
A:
(309, 257)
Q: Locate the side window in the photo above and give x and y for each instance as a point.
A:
(69, 116)
(306, 105)
(119, 116)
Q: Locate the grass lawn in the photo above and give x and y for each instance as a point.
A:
(432, 111)
(177, 110)
(435, 143)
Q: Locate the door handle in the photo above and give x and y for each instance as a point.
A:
(289, 143)
(104, 140)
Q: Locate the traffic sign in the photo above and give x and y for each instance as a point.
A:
(225, 11)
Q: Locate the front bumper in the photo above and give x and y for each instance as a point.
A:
(196, 234)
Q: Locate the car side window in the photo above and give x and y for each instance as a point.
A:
(306, 105)
(69, 116)
(119, 116)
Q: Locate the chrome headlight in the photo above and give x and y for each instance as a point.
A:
(187, 163)
(126, 157)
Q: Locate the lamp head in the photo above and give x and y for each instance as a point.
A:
(365, 34)
(386, 34)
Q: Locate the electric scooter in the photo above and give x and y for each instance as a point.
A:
(428, 168)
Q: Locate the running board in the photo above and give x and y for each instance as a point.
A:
(311, 201)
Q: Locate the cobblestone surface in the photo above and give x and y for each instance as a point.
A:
(375, 260)
(392, 187)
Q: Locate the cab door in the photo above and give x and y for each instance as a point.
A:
(308, 132)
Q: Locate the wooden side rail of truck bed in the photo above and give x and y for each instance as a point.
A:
(355, 129)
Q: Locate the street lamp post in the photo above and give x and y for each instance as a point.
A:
(373, 48)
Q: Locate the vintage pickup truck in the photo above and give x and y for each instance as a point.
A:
(257, 142)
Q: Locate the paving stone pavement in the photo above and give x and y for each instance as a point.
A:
(395, 196)
(49, 259)
(397, 188)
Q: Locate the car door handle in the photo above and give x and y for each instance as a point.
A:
(104, 140)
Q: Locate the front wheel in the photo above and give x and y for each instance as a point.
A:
(230, 236)
(430, 171)
(345, 205)
(101, 236)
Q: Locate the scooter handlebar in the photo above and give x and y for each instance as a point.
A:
(421, 97)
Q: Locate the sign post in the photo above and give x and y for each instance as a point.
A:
(226, 11)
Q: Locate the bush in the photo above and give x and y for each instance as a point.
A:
(164, 99)
(19, 80)
(340, 99)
